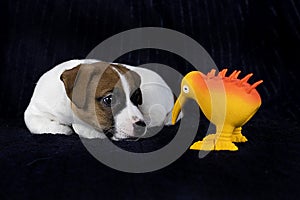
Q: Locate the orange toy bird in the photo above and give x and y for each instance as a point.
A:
(228, 102)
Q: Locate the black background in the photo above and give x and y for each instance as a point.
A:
(253, 36)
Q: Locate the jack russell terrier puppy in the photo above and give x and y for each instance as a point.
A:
(96, 98)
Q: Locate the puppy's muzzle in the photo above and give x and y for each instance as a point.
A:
(139, 128)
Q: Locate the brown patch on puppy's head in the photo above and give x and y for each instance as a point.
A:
(96, 92)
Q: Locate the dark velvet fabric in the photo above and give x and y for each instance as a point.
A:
(262, 37)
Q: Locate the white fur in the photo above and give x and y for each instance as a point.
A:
(128, 116)
(49, 110)
(158, 100)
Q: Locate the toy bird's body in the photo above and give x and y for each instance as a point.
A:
(228, 102)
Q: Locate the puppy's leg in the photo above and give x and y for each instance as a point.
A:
(87, 132)
(40, 124)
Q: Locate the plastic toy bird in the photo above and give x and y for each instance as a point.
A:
(228, 102)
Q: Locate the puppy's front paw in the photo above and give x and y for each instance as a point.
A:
(87, 132)
(52, 127)
(39, 124)
(62, 129)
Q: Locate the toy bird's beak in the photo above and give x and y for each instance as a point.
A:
(177, 107)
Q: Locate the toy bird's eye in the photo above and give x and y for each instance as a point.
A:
(185, 89)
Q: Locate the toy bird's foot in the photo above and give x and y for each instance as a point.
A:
(214, 142)
(207, 144)
(225, 145)
(237, 135)
(238, 138)
(203, 146)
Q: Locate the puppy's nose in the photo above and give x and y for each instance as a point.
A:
(139, 127)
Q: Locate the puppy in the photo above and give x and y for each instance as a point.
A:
(96, 98)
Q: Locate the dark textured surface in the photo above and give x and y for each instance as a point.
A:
(262, 37)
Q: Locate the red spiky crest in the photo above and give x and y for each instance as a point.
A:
(233, 77)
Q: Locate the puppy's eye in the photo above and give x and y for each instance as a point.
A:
(136, 97)
(108, 101)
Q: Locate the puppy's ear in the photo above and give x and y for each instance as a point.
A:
(76, 81)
